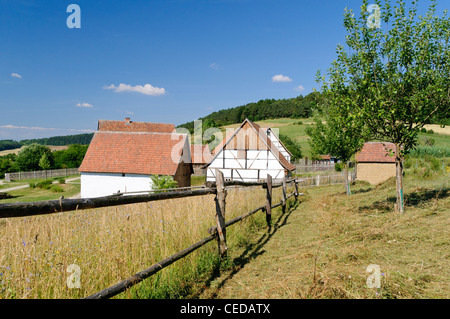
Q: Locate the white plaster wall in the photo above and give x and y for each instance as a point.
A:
(105, 184)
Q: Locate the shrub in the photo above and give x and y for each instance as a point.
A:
(163, 182)
(45, 184)
(56, 189)
(339, 166)
(32, 185)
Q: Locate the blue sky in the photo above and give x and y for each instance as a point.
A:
(168, 61)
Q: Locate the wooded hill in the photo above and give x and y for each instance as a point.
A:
(298, 107)
(82, 139)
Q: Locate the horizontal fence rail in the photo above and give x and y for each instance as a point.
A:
(218, 232)
(66, 205)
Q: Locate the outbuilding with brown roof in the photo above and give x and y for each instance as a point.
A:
(375, 162)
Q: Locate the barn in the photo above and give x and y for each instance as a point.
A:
(248, 154)
(121, 158)
(374, 164)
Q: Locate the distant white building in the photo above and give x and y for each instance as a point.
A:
(249, 154)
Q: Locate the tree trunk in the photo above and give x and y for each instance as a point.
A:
(347, 184)
(399, 178)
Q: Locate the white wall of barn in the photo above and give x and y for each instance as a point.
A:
(105, 184)
(249, 166)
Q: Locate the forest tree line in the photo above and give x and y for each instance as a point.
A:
(82, 139)
(298, 107)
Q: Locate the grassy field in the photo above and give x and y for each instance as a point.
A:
(37, 194)
(322, 248)
(111, 244)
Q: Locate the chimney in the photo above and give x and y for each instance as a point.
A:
(127, 120)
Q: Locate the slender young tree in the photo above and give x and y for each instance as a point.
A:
(396, 67)
(338, 131)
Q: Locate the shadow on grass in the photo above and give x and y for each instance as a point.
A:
(413, 199)
(251, 251)
(8, 196)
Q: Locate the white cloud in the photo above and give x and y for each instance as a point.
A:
(214, 66)
(84, 105)
(147, 89)
(16, 75)
(299, 88)
(281, 78)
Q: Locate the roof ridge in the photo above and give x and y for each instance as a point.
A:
(133, 132)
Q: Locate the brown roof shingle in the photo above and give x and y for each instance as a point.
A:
(130, 126)
(133, 153)
(376, 152)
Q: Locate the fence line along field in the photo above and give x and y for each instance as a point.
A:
(110, 244)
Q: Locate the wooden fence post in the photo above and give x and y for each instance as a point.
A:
(269, 201)
(283, 200)
(296, 189)
(220, 213)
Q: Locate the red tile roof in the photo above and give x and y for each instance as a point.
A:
(130, 126)
(376, 152)
(133, 153)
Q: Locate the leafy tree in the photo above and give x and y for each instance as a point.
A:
(6, 164)
(397, 75)
(343, 133)
(28, 159)
(44, 162)
(292, 145)
(71, 157)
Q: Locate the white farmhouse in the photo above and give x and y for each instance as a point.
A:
(248, 155)
(123, 160)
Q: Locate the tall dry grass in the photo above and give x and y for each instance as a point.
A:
(111, 244)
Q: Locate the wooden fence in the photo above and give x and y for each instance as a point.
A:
(18, 176)
(217, 232)
(319, 180)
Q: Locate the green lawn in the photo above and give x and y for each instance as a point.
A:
(36, 194)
